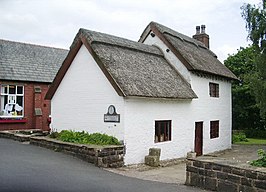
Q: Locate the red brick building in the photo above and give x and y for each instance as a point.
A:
(26, 71)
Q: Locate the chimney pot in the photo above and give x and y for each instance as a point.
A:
(197, 29)
(203, 27)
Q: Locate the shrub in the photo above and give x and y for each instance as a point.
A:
(259, 134)
(86, 138)
(238, 137)
(261, 162)
(54, 135)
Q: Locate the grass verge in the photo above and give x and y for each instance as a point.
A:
(252, 141)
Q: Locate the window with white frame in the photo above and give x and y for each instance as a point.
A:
(214, 89)
(12, 101)
(214, 129)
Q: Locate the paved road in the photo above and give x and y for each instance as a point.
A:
(26, 168)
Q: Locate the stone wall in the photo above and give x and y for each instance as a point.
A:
(219, 177)
(110, 156)
(101, 156)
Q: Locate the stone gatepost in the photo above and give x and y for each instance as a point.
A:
(153, 159)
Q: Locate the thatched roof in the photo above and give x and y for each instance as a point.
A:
(197, 56)
(28, 62)
(133, 68)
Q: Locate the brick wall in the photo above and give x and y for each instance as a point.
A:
(219, 177)
(32, 100)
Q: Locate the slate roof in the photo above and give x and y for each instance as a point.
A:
(28, 62)
(135, 69)
(198, 57)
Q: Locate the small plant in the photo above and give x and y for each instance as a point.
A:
(238, 137)
(261, 162)
(53, 134)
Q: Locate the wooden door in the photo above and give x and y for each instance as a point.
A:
(198, 138)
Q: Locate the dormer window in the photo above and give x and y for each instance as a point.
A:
(214, 89)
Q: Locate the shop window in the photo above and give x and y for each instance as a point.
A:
(163, 131)
(214, 89)
(11, 101)
(214, 129)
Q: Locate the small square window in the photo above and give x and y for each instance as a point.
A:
(214, 129)
(12, 89)
(19, 89)
(163, 131)
(214, 89)
(4, 89)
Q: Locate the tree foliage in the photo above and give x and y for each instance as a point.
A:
(245, 110)
(255, 17)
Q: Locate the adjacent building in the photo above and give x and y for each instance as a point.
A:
(26, 71)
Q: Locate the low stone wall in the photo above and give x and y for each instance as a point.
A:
(101, 156)
(16, 137)
(220, 177)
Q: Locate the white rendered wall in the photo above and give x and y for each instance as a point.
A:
(140, 128)
(83, 97)
(141, 115)
(207, 109)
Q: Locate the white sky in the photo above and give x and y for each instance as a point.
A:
(56, 22)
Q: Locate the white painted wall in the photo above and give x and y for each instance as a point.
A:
(207, 109)
(141, 115)
(83, 97)
(140, 128)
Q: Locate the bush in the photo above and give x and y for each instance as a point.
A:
(261, 162)
(54, 135)
(86, 138)
(259, 134)
(238, 137)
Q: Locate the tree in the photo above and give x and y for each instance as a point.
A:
(255, 17)
(245, 110)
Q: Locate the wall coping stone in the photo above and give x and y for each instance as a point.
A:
(230, 164)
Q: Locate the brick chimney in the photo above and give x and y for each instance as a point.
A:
(202, 36)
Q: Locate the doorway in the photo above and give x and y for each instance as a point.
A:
(198, 138)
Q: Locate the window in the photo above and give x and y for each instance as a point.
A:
(214, 89)
(163, 131)
(214, 129)
(11, 101)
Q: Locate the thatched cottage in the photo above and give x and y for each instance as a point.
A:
(166, 91)
(26, 71)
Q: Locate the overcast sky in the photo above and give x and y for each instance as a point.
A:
(56, 22)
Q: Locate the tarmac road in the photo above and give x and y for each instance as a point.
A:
(27, 168)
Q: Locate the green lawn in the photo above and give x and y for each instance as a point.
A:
(252, 141)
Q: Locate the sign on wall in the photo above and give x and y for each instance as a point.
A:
(111, 115)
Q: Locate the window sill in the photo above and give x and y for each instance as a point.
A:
(13, 120)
